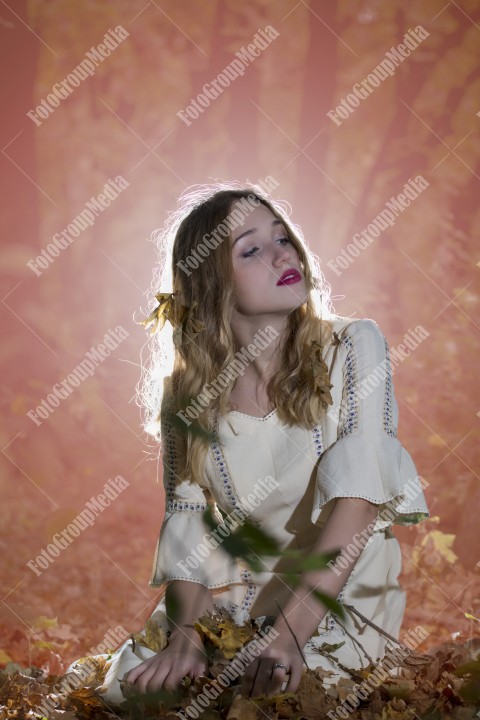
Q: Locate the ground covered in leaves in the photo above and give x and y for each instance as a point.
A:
(441, 683)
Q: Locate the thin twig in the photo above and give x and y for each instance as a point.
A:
(411, 651)
(355, 641)
(372, 624)
(293, 635)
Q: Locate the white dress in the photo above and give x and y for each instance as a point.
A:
(286, 479)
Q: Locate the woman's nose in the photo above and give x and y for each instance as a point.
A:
(282, 253)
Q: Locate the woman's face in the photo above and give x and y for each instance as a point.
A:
(261, 254)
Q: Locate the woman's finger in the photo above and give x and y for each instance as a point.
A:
(294, 678)
(169, 677)
(135, 672)
(249, 678)
(199, 669)
(270, 680)
(174, 677)
(151, 679)
(262, 681)
(278, 676)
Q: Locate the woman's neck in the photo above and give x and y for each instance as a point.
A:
(246, 328)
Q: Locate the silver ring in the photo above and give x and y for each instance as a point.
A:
(275, 665)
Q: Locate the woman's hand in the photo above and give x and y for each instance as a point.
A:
(261, 678)
(184, 655)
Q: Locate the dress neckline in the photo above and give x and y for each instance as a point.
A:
(253, 417)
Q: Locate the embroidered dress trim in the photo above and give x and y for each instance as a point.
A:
(388, 424)
(318, 439)
(251, 591)
(350, 380)
(176, 505)
(331, 617)
(351, 392)
(172, 505)
(223, 472)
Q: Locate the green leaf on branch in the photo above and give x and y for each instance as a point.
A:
(330, 603)
(246, 542)
(304, 563)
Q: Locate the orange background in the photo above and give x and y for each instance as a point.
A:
(272, 121)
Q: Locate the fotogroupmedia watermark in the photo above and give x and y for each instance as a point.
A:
(394, 656)
(211, 540)
(386, 68)
(84, 369)
(231, 672)
(87, 217)
(236, 68)
(235, 218)
(381, 373)
(384, 219)
(84, 519)
(228, 375)
(411, 490)
(60, 91)
(78, 677)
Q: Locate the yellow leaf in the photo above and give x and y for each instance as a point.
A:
(471, 617)
(44, 623)
(225, 634)
(242, 708)
(98, 667)
(436, 441)
(44, 644)
(4, 658)
(154, 637)
(18, 405)
(443, 543)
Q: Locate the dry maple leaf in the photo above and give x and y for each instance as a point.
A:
(416, 659)
(221, 630)
(396, 709)
(284, 705)
(242, 709)
(98, 669)
(311, 694)
(86, 700)
(401, 689)
(155, 638)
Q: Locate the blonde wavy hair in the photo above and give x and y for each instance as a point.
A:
(176, 375)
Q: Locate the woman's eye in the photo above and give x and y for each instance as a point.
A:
(250, 252)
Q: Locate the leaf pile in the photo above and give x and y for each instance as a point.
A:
(443, 683)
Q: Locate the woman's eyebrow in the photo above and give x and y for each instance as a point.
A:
(253, 230)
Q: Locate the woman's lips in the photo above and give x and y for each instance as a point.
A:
(290, 278)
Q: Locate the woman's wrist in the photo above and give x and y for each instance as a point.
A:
(297, 631)
(183, 634)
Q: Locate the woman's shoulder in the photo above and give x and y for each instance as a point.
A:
(353, 326)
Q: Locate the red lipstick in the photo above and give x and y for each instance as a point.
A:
(289, 277)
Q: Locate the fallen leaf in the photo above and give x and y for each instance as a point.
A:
(155, 638)
(242, 709)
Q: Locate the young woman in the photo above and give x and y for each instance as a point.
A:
(280, 408)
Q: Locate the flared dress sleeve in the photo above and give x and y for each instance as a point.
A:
(186, 549)
(367, 459)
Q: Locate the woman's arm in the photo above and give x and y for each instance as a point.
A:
(302, 610)
(191, 601)
(184, 654)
